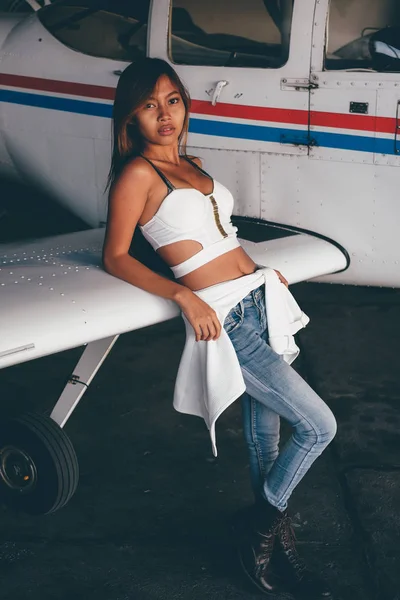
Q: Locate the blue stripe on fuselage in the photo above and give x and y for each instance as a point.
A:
(81, 107)
(262, 133)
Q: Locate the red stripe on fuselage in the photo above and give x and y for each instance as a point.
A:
(38, 84)
(357, 122)
(366, 123)
(254, 113)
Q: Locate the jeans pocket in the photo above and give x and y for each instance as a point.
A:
(234, 318)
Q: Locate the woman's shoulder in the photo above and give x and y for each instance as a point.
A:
(138, 170)
(139, 167)
(136, 174)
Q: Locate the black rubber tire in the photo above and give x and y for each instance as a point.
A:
(55, 462)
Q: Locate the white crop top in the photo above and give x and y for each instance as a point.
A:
(188, 214)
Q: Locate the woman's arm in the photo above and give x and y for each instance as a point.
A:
(127, 200)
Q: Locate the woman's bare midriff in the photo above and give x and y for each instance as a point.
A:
(231, 265)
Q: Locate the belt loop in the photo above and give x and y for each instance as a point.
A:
(257, 293)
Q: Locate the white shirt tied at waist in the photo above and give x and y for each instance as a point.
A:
(209, 377)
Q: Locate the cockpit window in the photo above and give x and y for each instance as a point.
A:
(115, 29)
(255, 33)
(363, 34)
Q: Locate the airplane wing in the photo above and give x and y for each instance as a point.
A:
(54, 294)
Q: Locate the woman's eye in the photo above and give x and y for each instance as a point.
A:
(149, 105)
(174, 100)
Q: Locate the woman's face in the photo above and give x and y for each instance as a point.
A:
(160, 119)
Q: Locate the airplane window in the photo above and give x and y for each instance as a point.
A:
(363, 34)
(255, 33)
(115, 29)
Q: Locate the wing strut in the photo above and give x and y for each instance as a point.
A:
(89, 363)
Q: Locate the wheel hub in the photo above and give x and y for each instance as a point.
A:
(17, 469)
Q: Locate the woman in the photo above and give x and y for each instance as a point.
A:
(167, 194)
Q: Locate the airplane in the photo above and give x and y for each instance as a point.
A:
(295, 108)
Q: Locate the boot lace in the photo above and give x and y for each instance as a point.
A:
(266, 545)
(288, 541)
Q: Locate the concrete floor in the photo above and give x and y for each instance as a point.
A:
(150, 517)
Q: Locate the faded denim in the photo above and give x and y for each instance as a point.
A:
(273, 390)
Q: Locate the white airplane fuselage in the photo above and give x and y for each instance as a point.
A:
(299, 145)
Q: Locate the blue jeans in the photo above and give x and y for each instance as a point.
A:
(273, 390)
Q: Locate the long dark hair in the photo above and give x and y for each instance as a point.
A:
(135, 85)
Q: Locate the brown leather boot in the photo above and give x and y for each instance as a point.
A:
(255, 529)
(292, 569)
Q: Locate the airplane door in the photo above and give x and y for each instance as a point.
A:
(246, 67)
(354, 108)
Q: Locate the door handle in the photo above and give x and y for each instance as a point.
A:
(217, 92)
(397, 131)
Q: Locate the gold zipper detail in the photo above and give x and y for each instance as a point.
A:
(216, 217)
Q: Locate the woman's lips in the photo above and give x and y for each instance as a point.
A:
(167, 130)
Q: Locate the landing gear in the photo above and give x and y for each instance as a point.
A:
(38, 466)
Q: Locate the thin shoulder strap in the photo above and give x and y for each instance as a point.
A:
(161, 174)
(196, 166)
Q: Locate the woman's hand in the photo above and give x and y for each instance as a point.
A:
(200, 315)
(281, 278)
